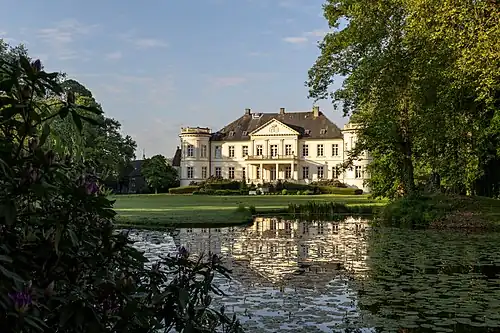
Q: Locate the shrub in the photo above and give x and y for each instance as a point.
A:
(64, 268)
(329, 182)
(284, 191)
(339, 190)
(296, 187)
(415, 212)
(183, 189)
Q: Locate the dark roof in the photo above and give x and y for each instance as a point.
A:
(137, 165)
(176, 161)
(319, 127)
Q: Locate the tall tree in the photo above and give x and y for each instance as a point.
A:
(409, 83)
(158, 173)
(100, 141)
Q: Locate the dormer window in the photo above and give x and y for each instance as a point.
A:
(245, 133)
(307, 132)
(322, 131)
(231, 133)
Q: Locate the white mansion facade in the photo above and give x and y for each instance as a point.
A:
(299, 147)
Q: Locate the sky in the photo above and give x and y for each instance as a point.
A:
(158, 65)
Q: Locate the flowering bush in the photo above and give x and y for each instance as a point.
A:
(63, 266)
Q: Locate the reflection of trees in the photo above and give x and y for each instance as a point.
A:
(429, 281)
(285, 251)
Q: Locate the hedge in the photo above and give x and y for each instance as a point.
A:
(230, 185)
(183, 189)
(339, 190)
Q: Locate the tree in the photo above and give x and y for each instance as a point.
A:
(76, 87)
(424, 108)
(100, 142)
(64, 266)
(158, 173)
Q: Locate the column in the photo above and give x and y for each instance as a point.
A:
(292, 174)
(261, 172)
(277, 173)
(282, 148)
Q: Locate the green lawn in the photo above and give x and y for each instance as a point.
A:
(157, 210)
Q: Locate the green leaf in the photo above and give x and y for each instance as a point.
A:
(77, 120)
(9, 212)
(183, 298)
(45, 133)
(5, 259)
(35, 323)
(57, 239)
(63, 112)
(11, 275)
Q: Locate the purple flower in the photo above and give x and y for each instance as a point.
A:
(21, 300)
(91, 187)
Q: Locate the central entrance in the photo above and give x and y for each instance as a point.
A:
(272, 172)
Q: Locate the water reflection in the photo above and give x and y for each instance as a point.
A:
(277, 251)
(288, 275)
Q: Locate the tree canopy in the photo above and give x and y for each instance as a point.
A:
(159, 175)
(422, 82)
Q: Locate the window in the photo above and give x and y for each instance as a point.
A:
(336, 172)
(305, 150)
(322, 131)
(244, 150)
(203, 152)
(274, 150)
(231, 172)
(245, 133)
(319, 150)
(358, 172)
(190, 151)
(321, 228)
(257, 172)
(218, 172)
(321, 173)
(231, 151)
(288, 150)
(305, 172)
(190, 172)
(243, 173)
(335, 149)
(259, 150)
(204, 172)
(231, 133)
(288, 172)
(218, 152)
(345, 146)
(307, 132)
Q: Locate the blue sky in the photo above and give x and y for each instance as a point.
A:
(157, 65)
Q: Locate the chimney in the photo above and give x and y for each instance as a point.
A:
(315, 111)
(282, 110)
(248, 111)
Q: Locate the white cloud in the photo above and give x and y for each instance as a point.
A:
(314, 35)
(295, 40)
(144, 43)
(114, 55)
(60, 38)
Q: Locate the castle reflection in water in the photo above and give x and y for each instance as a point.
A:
(278, 251)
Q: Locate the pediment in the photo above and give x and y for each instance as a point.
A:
(274, 128)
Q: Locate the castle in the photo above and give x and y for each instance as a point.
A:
(299, 147)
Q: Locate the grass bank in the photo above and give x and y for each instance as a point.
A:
(438, 211)
(162, 210)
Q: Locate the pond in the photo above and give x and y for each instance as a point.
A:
(295, 276)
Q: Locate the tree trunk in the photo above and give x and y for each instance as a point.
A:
(156, 190)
